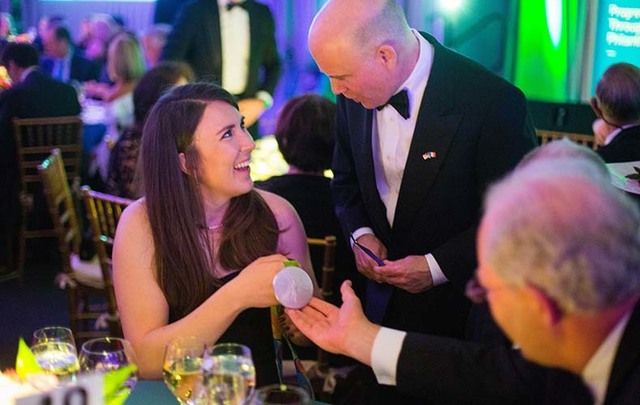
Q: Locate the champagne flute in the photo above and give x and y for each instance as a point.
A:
(55, 351)
(229, 373)
(182, 367)
(108, 354)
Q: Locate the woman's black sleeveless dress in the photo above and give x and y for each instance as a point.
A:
(252, 328)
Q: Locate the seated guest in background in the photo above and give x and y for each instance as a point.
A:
(125, 66)
(121, 180)
(60, 59)
(96, 32)
(559, 256)
(33, 94)
(153, 40)
(306, 136)
(617, 104)
(203, 246)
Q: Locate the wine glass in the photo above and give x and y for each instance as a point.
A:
(108, 354)
(182, 367)
(55, 351)
(280, 394)
(229, 376)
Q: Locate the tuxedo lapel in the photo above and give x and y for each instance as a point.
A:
(436, 126)
(215, 48)
(254, 37)
(627, 356)
(363, 150)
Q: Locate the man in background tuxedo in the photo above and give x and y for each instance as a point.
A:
(33, 94)
(409, 175)
(230, 42)
(567, 297)
(617, 105)
(61, 61)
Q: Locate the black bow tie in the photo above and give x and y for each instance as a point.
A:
(399, 101)
(231, 5)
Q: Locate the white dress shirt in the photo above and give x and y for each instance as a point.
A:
(597, 371)
(391, 140)
(236, 40)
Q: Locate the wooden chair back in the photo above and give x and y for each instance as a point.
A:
(80, 279)
(103, 212)
(328, 246)
(35, 138)
(545, 136)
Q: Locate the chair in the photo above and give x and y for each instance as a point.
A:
(545, 136)
(35, 138)
(82, 280)
(317, 371)
(104, 211)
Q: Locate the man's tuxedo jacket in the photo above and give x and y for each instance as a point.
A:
(476, 127)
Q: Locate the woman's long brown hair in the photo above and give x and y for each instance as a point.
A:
(183, 259)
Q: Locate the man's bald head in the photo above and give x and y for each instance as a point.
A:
(362, 24)
(365, 47)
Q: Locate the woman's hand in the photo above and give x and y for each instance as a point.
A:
(254, 285)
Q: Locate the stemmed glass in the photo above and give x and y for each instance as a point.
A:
(229, 376)
(108, 354)
(182, 367)
(55, 351)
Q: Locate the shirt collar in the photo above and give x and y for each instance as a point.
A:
(615, 133)
(420, 73)
(597, 371)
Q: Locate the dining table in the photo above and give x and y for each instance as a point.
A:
(155, 392)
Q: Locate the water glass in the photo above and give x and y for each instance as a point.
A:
(280, 394)
(182, 367)
(108, 354)
(55, 351)
(229, 376)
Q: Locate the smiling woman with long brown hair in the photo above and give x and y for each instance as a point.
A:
(198, 254)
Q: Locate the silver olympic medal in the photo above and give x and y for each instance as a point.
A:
(293, 287)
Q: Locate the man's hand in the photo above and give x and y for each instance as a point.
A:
(343, 330)
(251, 109)
(364, 263)
(410, 273)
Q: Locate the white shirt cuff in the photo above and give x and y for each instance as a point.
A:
(359, 232)
(385, 354)
(437, 275)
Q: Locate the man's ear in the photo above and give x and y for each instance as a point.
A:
(183, 162)
(549, 308)
(387, 55)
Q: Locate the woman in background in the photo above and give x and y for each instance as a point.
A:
(197, 255)
(306, 135)
(124, 156)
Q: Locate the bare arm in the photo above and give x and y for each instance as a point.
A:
(144, 310)
(293, 244)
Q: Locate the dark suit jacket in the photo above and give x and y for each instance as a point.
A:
(624, 381)
(81, 70)
(625, 147)
(37, 96)
(478, 126)
(195, 39)
(448, 371)
(434, 368)
(165, 11)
